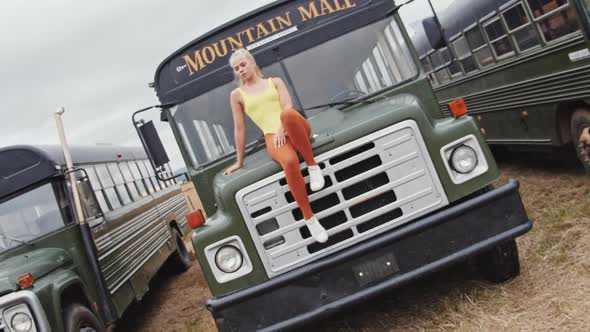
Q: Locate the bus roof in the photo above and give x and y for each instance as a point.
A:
(24, 165)
(265, 32)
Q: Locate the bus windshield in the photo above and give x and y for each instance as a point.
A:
(361, 62)
(33, 214)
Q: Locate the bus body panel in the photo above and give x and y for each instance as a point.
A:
(537, 83)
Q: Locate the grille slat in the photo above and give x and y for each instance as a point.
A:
(378, 182)
(358, 199)
(340, 186)
(352, 223)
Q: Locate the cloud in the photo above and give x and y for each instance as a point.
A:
(94, 58)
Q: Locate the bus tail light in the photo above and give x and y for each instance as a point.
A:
(195, 219)
(458, 107)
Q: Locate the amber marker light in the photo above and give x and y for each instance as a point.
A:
(195, 219)
(26, 280)
(525, 113)
(458, 107)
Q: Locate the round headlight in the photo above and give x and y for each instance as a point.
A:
(463, 159)
(229, 259)
(21, 322)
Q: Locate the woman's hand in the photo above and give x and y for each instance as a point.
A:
(280, 138)
(233, 168)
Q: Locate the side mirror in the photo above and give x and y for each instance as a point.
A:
(433, 33)
(88, 200)
(153, 144)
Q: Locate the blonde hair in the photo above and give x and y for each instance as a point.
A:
(242, 52)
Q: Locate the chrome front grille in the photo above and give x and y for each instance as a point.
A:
(373, 184)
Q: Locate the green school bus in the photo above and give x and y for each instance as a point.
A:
(408, 190)
(59, 275)
(521, 66)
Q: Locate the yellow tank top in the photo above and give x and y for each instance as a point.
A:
(264, 108)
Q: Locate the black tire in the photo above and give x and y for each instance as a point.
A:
(79, 318)
(180, 261)
(580, 130)
(500, 263)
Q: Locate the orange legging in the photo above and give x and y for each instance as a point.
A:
(298, 133)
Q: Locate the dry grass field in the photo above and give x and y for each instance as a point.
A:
(551, 294)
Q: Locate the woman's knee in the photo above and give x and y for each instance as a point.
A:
(290, 164)
(289, 115)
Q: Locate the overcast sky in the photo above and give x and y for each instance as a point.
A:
(95, 58)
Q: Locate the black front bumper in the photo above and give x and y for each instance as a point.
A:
(376, 265)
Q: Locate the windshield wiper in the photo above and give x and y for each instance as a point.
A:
(15, 239)
(347, 102)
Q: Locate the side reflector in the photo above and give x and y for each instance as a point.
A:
(458, 107)
(195, 219)
(26, 281)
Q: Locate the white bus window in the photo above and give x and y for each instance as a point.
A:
(555, 18)
(112, 197)
(104, 176)
(426, 65)
(480, 49)
(129, 183)
(127, 175)
(443, 76)
(221, 135)
(145, 176)
(97, 187)
(519, 25)
(117, 177)
(498, 38)
(464, 54)
(360, 82)
(137, 178)
(436, 60)
(383, 72)
(372, 79)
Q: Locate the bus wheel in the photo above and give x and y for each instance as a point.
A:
(181, 259)
(580, 128)
(500, 263)
(78, 318)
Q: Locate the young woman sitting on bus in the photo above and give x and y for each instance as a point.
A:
(268, 103)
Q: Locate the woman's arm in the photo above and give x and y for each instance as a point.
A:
(284, 97)
(239, 130)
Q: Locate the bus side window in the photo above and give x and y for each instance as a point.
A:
(555, 18)
(145, 176)
(128, 178)
(137, 178)
(520, 27)
(498, 37)
(152, 175)
(464, 55)
(97, 187)
(119, 183)
(108, 186)
(479, 47)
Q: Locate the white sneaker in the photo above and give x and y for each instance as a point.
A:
(316, 178)
(316, 229)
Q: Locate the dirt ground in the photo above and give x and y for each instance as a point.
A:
(551, 294)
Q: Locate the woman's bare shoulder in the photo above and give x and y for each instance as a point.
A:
(235, 94)
(277, 80)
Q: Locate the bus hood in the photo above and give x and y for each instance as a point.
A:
(37, 262)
